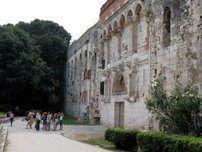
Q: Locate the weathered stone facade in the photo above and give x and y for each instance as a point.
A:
(81, 80)
(136, 42)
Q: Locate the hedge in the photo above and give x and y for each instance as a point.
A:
(163, 142)
(122, 138)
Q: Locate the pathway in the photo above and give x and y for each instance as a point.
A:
(30, 140)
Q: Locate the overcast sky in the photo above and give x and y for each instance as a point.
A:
(76, 16)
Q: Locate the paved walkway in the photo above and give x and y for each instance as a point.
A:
(30, 140)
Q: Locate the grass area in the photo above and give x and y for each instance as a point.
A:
(73, 121)
(101, 142)
(2, 114)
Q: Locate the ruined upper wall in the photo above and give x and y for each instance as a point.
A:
(89, 36)
(109, 7)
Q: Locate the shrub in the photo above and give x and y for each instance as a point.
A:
(163, 142)
(178, 112)
(122, 138)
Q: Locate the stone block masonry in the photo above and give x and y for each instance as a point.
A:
(109, 69)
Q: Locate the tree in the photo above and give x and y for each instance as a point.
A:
(53, 41)
(20, 64)
(180, 111)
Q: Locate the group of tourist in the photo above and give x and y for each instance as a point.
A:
(48, 120)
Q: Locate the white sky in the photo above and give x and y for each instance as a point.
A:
(76, 16)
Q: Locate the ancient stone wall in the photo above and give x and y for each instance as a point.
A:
(126, 75)
(109, 8)
(81, 76)
(136, 41)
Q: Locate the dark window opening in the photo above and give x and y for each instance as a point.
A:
(102, 88)
(86, 54)
(103, 63)
(155, 73)
(89, 74)
(85, 74)
(167, 27)
(95, 56)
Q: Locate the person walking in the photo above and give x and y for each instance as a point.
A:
(38, 120)
(11, 117)
(44, 120)
(48, 128)
(55, 121)
(61, 115)
(30, 119)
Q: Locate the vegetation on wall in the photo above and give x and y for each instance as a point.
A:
(178, 112)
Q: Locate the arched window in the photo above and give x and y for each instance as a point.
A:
(138, 11)
(130, 16)
(166, 27)
(105, 33)
(119, 85)
(110, 30)
(115, 26)
(122, 21)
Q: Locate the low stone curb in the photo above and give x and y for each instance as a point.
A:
(5, 120)
(3, 137)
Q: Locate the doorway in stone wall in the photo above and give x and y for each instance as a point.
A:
(119, 114)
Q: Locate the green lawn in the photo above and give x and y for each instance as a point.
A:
(101, 142)
(73, 121)
(2, 114)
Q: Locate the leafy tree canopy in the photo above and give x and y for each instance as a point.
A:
(20, 62)
(32, 56)
(53, 41)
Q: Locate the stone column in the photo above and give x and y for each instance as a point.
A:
(148, 34)
(119, 35)
(134, 35)
(107, 52)
(200, 61)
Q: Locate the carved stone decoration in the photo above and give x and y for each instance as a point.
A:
(135, 61)
(121, 66)
(104, 72)
(124, 47)
(115, 69)
(128, 64)
(134, 68)
(108, 74)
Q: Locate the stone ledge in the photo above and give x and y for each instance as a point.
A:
(4, 120)
(3, 136)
